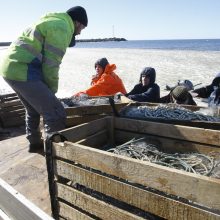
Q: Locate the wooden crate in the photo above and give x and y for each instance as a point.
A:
(83, 114)
(87, 182)
(194, 123)
(12, 112)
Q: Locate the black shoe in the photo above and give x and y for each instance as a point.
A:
(35, 148)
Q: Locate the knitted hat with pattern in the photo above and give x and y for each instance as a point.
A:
(180, 93)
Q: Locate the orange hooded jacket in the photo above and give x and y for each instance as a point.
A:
(108, 83)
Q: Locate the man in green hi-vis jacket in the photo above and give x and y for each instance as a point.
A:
(31, 67)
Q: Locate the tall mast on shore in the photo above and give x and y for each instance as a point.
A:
(113, 31)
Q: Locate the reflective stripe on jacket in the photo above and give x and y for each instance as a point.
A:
(108, 83)
(38, 52)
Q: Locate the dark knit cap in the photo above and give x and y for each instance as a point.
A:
(78, 13)
(103, 62)
(180, 93)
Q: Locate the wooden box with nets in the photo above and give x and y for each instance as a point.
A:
(193, 116)
(117, 168)
(89, 109)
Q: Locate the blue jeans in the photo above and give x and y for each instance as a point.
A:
(38, 100)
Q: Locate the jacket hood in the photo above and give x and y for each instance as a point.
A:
(109, 68)
(149, 72)
(216, 81)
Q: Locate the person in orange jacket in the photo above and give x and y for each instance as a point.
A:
(105, 82)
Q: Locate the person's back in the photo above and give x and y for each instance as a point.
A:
(205, 92)
(178, 95)
(106, 82)
(146, 90)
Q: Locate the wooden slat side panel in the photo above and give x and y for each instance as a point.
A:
(10, 114)
(12, 108)
(11, 122)
(167, 145)
(92, 205)
(11, 103)
(77, 120)
(82, 131)
(91, 110)
(10, 95)
(175, 182)
(67, 212)
(142, 199)
(88, 110)
(200, 135)
(97, 140)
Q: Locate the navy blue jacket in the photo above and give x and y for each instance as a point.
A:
(140, 93)
(149, 93)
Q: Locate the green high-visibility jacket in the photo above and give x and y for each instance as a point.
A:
(38, 52)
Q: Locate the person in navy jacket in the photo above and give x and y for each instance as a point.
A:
(146, 90)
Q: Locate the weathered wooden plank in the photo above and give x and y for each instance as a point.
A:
(8, 96)
(68, 212)
(97, 140)
(16, 206)
(150, 202)
(15, 113)
(93, 109)
(201, 135)
(12, 108)
(174, 182)
(12, 122)
(76, 120)
(11, 103)
(92, 205)
(167, 145)
(84, 130)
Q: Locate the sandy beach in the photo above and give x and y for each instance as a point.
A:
(170, 65)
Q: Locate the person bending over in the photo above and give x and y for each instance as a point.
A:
(105, 82)
(31, 67)
(205, 92)
(178, 95)
(146, 90)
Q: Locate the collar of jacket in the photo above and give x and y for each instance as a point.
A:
(70, 21)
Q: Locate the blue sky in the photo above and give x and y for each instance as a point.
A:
(133, 20)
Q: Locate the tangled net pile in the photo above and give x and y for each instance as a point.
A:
(191, 162)
(167, 112)
(85, 101)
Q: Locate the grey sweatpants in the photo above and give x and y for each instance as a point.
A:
(38, 100)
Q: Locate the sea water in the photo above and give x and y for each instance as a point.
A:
(199, 63)
(191, 44)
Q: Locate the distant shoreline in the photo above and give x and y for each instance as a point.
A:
(4, 44)
(102, 39)
(82, 40)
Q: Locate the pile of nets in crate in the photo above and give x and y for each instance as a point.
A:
(85, 100)
(208, 165)
(167, 112)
